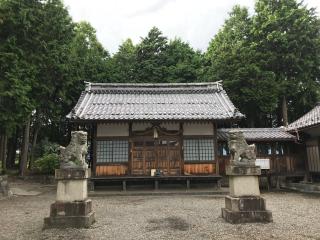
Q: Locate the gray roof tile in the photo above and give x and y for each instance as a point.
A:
(198, 101)
(310, 119)
(258, 134)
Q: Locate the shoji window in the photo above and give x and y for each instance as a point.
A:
(198, 149)
(112, 151)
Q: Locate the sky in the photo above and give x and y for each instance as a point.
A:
(194, 21)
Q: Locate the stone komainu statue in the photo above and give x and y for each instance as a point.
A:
(73, 156)
(241, 153)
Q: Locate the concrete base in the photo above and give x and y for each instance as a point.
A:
(72, 208)
(70, 214)
(244, 185)
(245, 210)
(72, 190)
(72, 184)
(70, 221)
(246, 216)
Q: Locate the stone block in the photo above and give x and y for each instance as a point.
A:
(71, 173)
(249, 203)
(236, 217)
(72, 190)
(80, 208)
(70, 221)
(244, 185)
(236, 170)
(246, 209)
(4, 186)
(70, 214)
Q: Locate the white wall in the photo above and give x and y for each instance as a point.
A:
(113, 129)
(142, 126)
(198, 129)
(122, 129)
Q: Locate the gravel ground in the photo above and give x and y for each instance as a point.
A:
(296, 216)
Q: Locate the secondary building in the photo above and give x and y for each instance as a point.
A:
(278, 152)
(307, 130)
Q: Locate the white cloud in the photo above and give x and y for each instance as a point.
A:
(195, 21)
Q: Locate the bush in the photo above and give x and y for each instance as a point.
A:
(47, 163)
(47, 157)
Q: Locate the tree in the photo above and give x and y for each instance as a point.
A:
(234, 58)
(286, 33)
(123, 63)
(17, 71)
(89, 61)
(182, 61)
(151, 65)
(36, 40)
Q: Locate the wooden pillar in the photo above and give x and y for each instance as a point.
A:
(156, 185)
(124, 185)
(215, 146)
(130, 150)
(181, 148)
(94, 153)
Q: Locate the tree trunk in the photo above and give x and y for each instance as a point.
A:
(12, 148)
(284, 111)
(12, 145)
(3, 152)
(34, 143)
(1, 149)
(24, 149)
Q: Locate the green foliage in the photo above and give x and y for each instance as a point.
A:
(235, 60)
(155, 59)
(183, 62)
(150, 64)
(47, 159)
(45, 58)
(123, 63)
(286, 34)
(17, 72)
(89, 61)
(266, 57)
(47, 163)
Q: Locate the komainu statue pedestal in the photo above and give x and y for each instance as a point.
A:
(72, 207)
(244, 204)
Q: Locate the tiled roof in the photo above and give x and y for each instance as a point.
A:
(258, 134)
(196, 101)
(310, 119)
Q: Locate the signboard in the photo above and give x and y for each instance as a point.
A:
(263, 163)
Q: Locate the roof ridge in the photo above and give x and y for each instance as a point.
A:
(256, 128)
(95, 86)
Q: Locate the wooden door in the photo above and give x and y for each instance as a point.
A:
(162, 154)
(143, 156)
(168, 156)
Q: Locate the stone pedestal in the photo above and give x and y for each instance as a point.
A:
(72, 207)
(4, 187)
(246, 209)
(244, 203)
